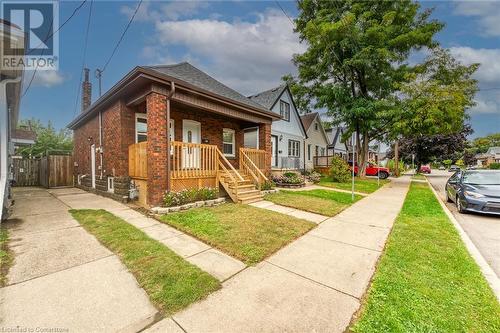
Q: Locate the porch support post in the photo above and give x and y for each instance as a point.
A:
(157, 153)
(169, 96)
(265, 144)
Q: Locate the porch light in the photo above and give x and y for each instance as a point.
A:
(281, 137)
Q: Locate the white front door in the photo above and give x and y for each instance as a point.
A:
(92, 164)
(191, 133)
(274, 150)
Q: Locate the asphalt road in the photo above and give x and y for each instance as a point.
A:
(483, 230)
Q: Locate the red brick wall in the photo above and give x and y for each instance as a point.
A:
(265, 144)
(81, 150)
(156, 148)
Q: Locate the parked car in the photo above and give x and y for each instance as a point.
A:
(454, 168)
(372, 170)
(425, 169)
(475, 191)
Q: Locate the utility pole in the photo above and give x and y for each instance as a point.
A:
(98, 75)
(353, 164)
(396, 158)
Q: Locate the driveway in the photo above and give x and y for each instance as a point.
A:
(483, 230)
(62, 278)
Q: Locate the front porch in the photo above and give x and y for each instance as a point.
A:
(194, 165)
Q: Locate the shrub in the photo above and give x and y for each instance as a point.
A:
(288, 178)
(340, 171)
(314, 177)
(267, 185)
(171, 199)
(495, 166)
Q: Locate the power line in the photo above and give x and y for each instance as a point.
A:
(47, 38)
(279, 5)
(122, 36)
(84, 56)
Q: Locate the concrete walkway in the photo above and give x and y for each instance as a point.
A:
(300, 214)
(312, 285)
(198, 253)
(319, 187)
(62, 277)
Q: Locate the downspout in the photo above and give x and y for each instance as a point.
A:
(4, 142)
(101, 153)
(169, 95)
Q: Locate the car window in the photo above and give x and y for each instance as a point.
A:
(481, 178)
(456, 176)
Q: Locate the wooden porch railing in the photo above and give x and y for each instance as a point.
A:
(193, 160)
(250, 159)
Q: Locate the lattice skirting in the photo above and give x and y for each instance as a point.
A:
(179, 184)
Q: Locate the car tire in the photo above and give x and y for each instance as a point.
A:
(383, 175)
(460, 208)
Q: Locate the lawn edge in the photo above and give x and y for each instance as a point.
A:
(484, 267)
(9, 260)
(358, 192)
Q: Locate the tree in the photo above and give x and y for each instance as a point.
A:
(481, 145)
(47, 138)
(439, 147)
(357, 59)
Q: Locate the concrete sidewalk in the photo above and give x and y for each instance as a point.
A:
(62, 277)
(312, 285)
(209, 259)
(300, 214)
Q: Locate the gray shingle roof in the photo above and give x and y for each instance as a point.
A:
(307, 119)
(493, 150)
(268, 97)
(186, 72)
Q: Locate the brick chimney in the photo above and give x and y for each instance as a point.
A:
(86, 90)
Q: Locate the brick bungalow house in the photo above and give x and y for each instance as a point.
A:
(218, 137)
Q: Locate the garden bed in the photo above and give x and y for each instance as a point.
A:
(244, 232)
(286, 185)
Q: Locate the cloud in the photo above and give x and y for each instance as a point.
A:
(487, 13)
(47, 78)
(174, 10)
(248, 56)
(488, 75)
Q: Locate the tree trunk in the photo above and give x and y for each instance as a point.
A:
(363, 156)
(396, 158)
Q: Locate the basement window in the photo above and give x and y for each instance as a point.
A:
(111, 184)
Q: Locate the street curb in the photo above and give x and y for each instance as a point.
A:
(485, 268)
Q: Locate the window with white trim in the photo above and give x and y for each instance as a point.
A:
(316, 127)
(285, 110)
(293, 148)
(141, 127)
(308, 152)
(228, 142)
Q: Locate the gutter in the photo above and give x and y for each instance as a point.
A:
(4, 142)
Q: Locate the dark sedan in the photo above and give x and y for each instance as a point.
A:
(475, 191)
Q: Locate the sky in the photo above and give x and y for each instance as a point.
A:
(248, 45)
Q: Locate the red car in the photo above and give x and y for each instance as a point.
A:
(372, 170)
(425, 169)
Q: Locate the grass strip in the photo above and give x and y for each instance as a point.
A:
(244, 232)
(426, 280)
(5, 256)
(171, 282)
(324, 202)
(362, 185)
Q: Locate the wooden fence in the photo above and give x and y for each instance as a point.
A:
(56, 171)
(26, 172)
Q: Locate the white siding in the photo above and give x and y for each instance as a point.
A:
(315, 138)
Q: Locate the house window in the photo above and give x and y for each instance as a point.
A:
(293, 148)
(308, 152)
(251, 137)
(228, 144)
(316, 151)
(322, 151)
(285, 110)
(316, 126)
(111, 184)
(141, 127)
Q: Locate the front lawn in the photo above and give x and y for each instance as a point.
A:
(418, 176)
(324, 202)
(362, 185)
(426, 280)
(244, 232)
(171, 282)
(5, 256)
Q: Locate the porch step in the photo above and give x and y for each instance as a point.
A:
(242, 186)
(248, 193)
(242, 191)
(248, 200)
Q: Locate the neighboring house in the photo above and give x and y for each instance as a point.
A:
(491, 156)
(336, 145)
(317, 141)
(287, 134)
(10, 95)
(124, 134)
(22, 137)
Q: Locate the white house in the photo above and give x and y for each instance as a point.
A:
(317, 141)
(287, 134)
(336, 145)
